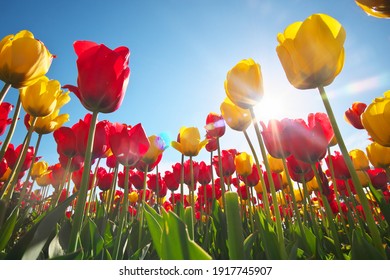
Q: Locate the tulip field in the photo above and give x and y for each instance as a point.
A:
(299, 194)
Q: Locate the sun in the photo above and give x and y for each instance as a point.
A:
(270, 107)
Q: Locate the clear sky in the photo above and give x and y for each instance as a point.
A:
(181, 51)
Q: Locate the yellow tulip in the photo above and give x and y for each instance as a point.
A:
(236, 118)
(244, 163)
(244, 84)
(39, 169)
(378, 155)
(363, 178)
(312, 185)
(23, 59)
(156, 148)
(6, 175)
(46, 125)
(44, 180)
(281, 199)
(259, 187)
(375, 8)
(40, 99)
(359, 159)
(376, 119)
(189, 143)
(275, 164)
(133, 197)
(312, 52)
(298, 195)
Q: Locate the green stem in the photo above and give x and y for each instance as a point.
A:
(123, 215)
(192, 190)
(376, 237)
(222, 179)
(11, 129)
(82, 197)
(182, 180)
(26, 183)
(141, 219)
(212, 176)
(279, 229)
(257, 162)
(4, 91)
(9, 187)
(329, 214)
(112, 188)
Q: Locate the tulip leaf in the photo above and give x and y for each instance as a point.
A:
(155, 224)
(248, 244)
(234, 227)
(383, 205)
(7, 229)
(31, 245)
(189, 221)
(362, 249)
(269, 237)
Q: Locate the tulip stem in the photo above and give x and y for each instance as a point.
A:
(221, 177)
(182, 180)
(26, 183)
(123, 215)
(141, 218)
(264, 189)
(376, 237)
(11, 129)
(4, 91)
(82, 197)
(9, 187)
(212, 176)
(279, 228)
(192, 189)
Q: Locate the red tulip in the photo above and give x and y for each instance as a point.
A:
(378, 178)
(104, 180)
(154, 181)
(66, 140)
(204, 173)
(128, 144)
(76, 163)
(273, 138)
(187, 172)
(77, 176)
(215, 125)
(171, 180)
(100, 144)
(103, 75)
(253, 178)
(352, 115)
(299, 170)
(111, 161)
(277, 178)
(136, 178)
(228, 166)
(339, 167)
(212, 143)
(11, 156)
(309, 142)
(57, 175)
(5, 109)
(121, 181)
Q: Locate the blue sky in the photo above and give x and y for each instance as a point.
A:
(181, 51)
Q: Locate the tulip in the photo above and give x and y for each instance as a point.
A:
(171, 180)
(236, 118)
(23, 59)
(3, 167)
(253, 179)
(212, 143)
(359, 159)
(376, 121)
(215, 125)
(352, 115)
(244, 84)
(375, 8)
(378, 178)
(40, 99)
(378, 155)
(103, 76)
(276, 164)
(39, 169)
(156, 148)
(243, 162)
(189, 143)
(100, 143)
(5, 109)
(276, 145)
(205, 175)
(133, 197)
(65, 138)
(136, 178)
(309, 142)
(339, 166)
(104, 180)
(227, 160)
(312, 52)
(128, 144)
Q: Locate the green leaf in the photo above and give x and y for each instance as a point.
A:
(309, 238)
(8, 228)
(248, 244)
(269, 237)
(362, 249)
(383, 205)
(189, 221)
(234, 227)
(155, 224)
(30, 246)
